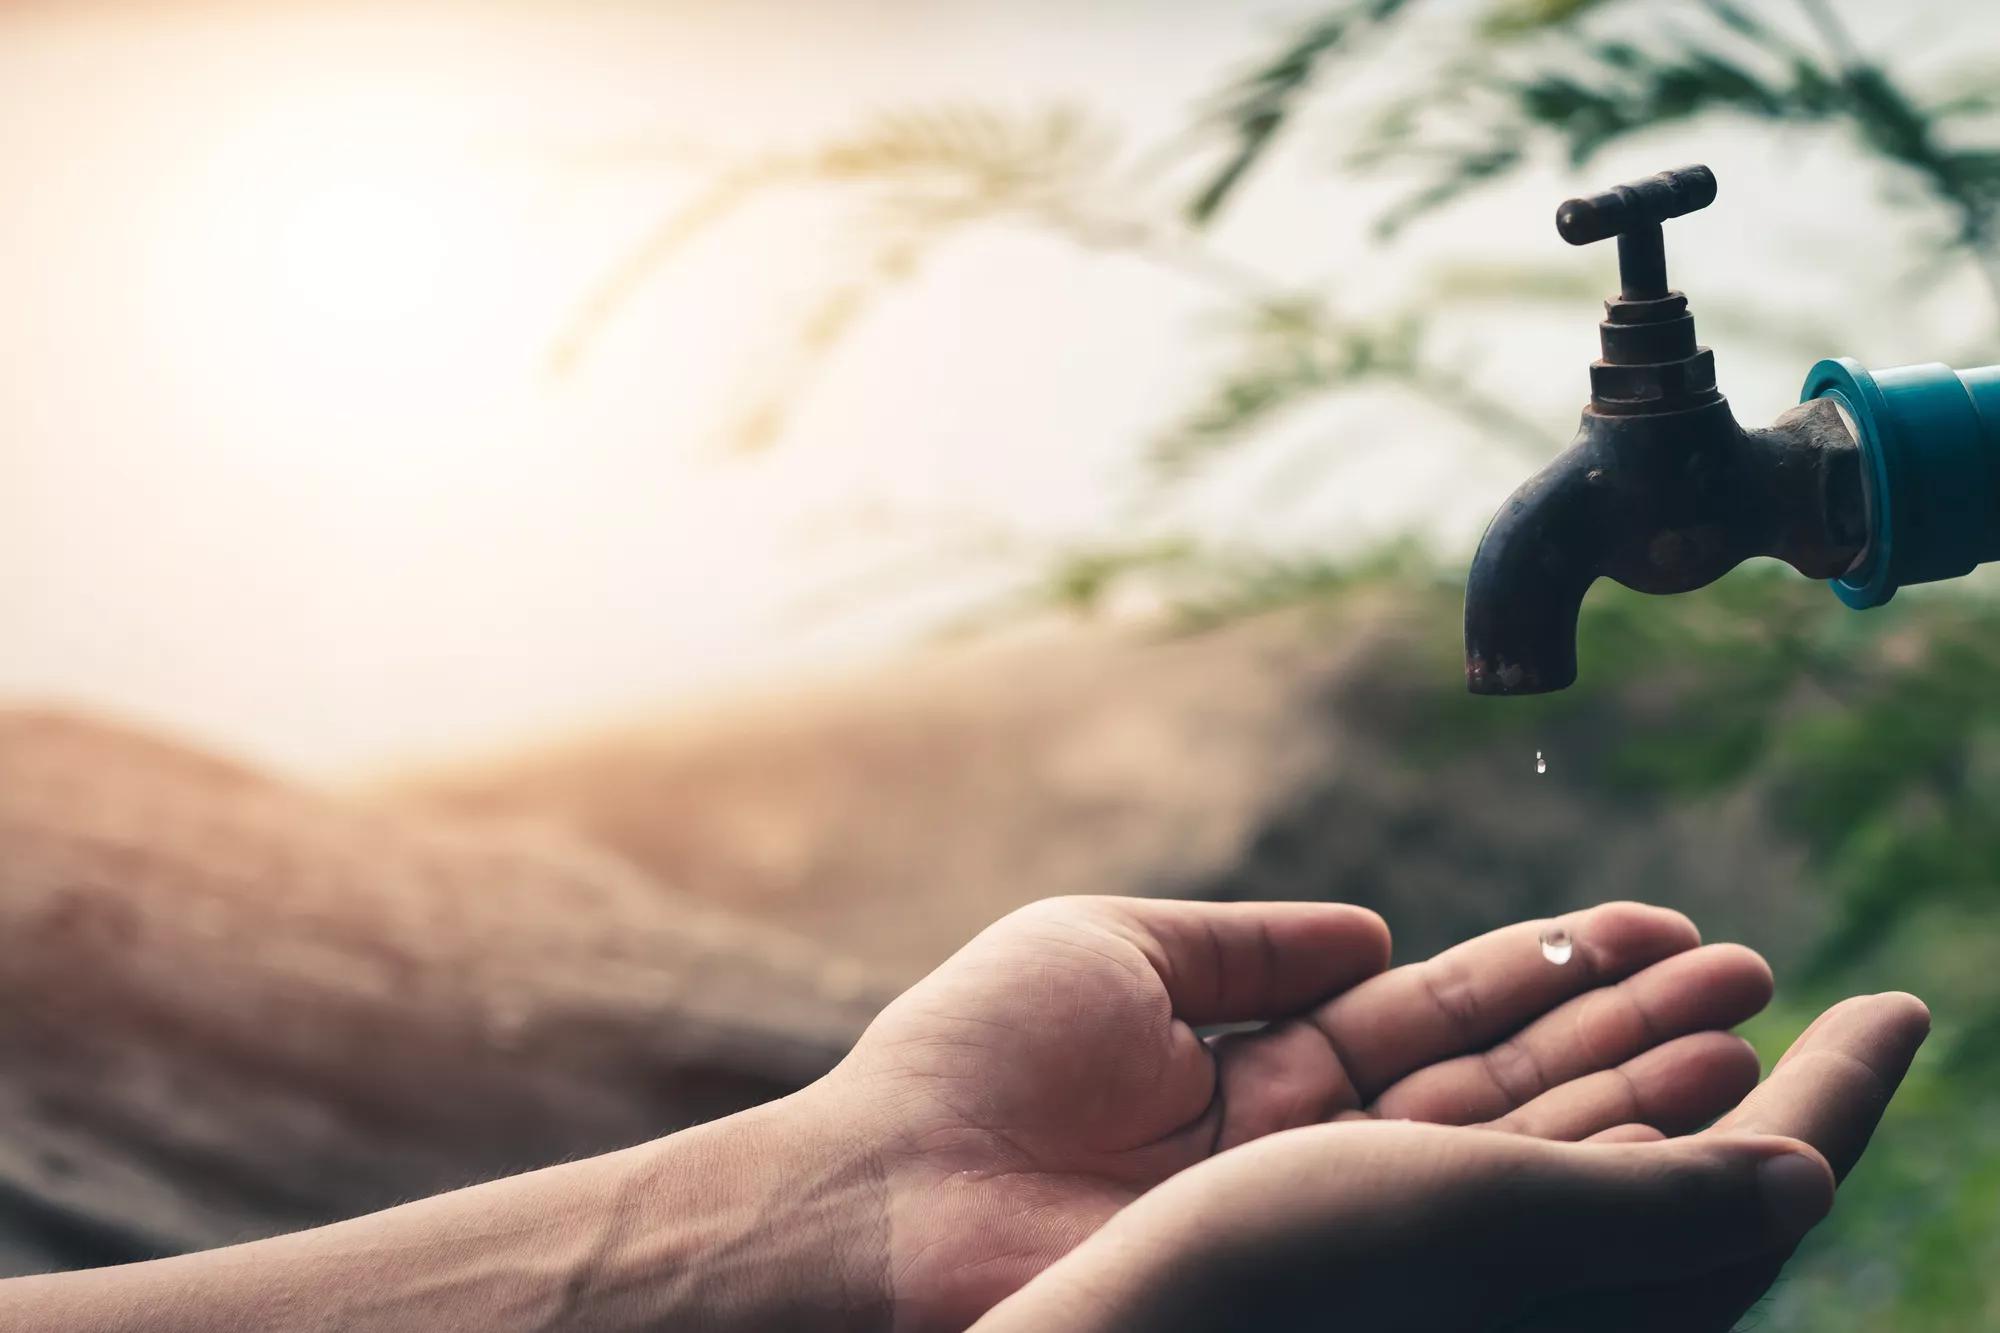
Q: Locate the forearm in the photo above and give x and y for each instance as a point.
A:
(765, 1220)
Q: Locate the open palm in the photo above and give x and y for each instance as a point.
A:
(1052, 1071)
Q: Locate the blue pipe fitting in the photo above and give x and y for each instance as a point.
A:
(1930, 449)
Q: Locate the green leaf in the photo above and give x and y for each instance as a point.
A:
(1249, 113)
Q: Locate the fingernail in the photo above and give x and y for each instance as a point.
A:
(1795, 1190)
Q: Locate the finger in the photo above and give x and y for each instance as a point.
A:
(1288, 1075)
(1363, 1218)
(1831, 1087)
(1626, 1134)
(1235, 962)
(1282, 1077)
(1714, 987)
(1626, 1213)
(1472, 995)
(1675, 1088)
(1613, 1215)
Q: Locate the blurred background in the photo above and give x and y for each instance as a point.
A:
(551, 555)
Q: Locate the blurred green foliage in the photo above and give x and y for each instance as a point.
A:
(1257, 106)
(1583, 75)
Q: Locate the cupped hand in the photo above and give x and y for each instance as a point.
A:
(1051, 1072)
(1410, 1226)
(1828, 1091)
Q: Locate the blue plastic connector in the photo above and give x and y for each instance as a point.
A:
(1930, 448)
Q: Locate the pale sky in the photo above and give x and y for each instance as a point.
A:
(283, 467)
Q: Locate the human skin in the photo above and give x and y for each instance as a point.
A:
(1407, 1226)
(1038, 1127)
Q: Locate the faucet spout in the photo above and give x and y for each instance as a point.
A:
(1539, 556)
(1662, 503)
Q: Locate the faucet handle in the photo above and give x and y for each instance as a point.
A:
(1635, 204)
(1633, 213)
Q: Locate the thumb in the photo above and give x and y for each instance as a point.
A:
(1602, 1215)
(1232, 962)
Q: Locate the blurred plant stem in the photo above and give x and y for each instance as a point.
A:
(915, 180)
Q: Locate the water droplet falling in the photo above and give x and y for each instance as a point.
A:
(1541, 764)
(1556, 945)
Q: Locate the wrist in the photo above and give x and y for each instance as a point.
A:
(772, 1218)
(1145, 1268)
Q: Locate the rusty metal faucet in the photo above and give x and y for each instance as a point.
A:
(1660, 490)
